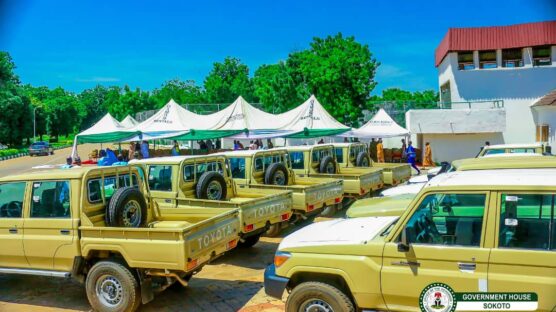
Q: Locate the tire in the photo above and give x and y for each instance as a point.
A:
(111, 287)
(212, 186)
(127, 208)
(363, 160)
(249, 241)
(274, 229)
(329, 211)
(327, 165)
(321, 294)
(276, 174)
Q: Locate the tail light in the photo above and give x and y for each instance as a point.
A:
(231, 244)
(192, 264)
(337, 200)
(310, 207)
(285, 217)
(362, 191)
(249, 228)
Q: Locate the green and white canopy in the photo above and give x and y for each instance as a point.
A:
(129, 122)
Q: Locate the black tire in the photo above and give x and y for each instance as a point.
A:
(276, 174)
(274, 229)
(120, 292)
(249, 241)
(329, 211)
(320, 293)
(211, 185)
(127, 208)
(327, 165)
(363, 160)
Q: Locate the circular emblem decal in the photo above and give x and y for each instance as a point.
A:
(437, 297)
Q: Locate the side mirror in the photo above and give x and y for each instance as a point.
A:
(403, 244)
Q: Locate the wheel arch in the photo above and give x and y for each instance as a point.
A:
(333, 277)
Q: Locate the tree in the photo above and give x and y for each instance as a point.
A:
(63, 112)
(15, 106)
(93, 101)
(227, 81)
(37, 96)
(339, 71)
(121, 103)
(183, 92)
(276, 88)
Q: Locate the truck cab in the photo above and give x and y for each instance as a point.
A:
(509, 150)
(319, 161)
(271, 170)
(183, 185)
(356, 154)
(466, 232)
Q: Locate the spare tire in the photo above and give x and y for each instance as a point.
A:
(363, 160)
(276, 174)
(212, 186)
(327, 165)
(127, 208)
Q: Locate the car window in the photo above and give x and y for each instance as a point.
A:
(209, 166)
(340, 154)
(11, 199)
(494, 151)
(258, 164)
(526, 221)
(238, 167)
(160, 178)
(523, 150)
(297, 160)
(50, 199)
(320, 154)
(448, 219)
(189, 173)
(94, 186)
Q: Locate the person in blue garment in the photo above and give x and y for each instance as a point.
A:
(411, 156)
(145, 149)
(176, 149)
(108, 159)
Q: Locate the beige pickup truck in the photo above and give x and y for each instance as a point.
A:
(356, 154)
(271, 170)
(54, 223)
(182, 185)
(319, 161)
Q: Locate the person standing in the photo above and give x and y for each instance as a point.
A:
(145, 149)
(427, 162)
(379, 151)
(404, 147)
(372, 149)
(131, 152)
(411, 156)
(252, 145)
(269, 143)
(176, 149)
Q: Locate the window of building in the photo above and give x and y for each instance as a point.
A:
(487, 59)
(160, 178)
(542, 133)
(512, 57)
(448, 219)
(526, 221)
(297, 160)
(11, 199)
(465, 60)
(542, 56)
(51, 199)
(445, 94)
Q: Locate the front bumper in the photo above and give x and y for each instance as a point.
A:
(274, 285)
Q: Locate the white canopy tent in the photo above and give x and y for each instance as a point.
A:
(129, 122)
(380, 126)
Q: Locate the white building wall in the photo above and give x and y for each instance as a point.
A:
(450, 147)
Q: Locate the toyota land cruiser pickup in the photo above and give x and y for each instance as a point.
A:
(471, 231)
(271, 170)
(185, 184)
(319, 161)
(53, 223)
(349, 155)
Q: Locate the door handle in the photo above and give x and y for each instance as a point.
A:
(65, 232)
(407, 263)
(463, 266)
(168, 201)
(13, 230)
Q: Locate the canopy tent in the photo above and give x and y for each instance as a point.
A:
(309, 120)
(129, 122)
(380, 126)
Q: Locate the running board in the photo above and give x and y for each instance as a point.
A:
(35, 272)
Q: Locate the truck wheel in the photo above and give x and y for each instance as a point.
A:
(316, 296)
(363, 160)
(276, 174)
(274, 229)
(127, 208)
(329, 211)
(249, 241)
(212, 186)
(111, 287)
(327, 165)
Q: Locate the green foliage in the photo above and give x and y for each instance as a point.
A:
(404, 100)
(183, 92)
(227, 81)
(93, 102)
(276, 88)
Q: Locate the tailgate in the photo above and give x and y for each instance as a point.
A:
(273, 208)
(328, 193)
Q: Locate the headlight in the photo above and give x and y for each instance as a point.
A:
(280, 258)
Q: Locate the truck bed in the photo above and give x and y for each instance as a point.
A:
(357, 181)
(394, 173)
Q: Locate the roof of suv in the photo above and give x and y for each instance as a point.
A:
(169, 159)
(500, 177)
(53, 174)
(248, 153)
(308, 147)
(522, 145)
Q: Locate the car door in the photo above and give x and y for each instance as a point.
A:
(12, 199)
(51, 226)
(445, 238)
(162, 189)
(524, 259)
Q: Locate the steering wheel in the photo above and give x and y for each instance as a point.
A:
(11, 209)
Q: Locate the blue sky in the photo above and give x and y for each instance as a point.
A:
(78, 44)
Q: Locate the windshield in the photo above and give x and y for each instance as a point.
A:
(38, 144)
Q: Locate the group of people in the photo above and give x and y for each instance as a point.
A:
(209, 144)
(408, 153)
(258, 144)
(138, 150)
